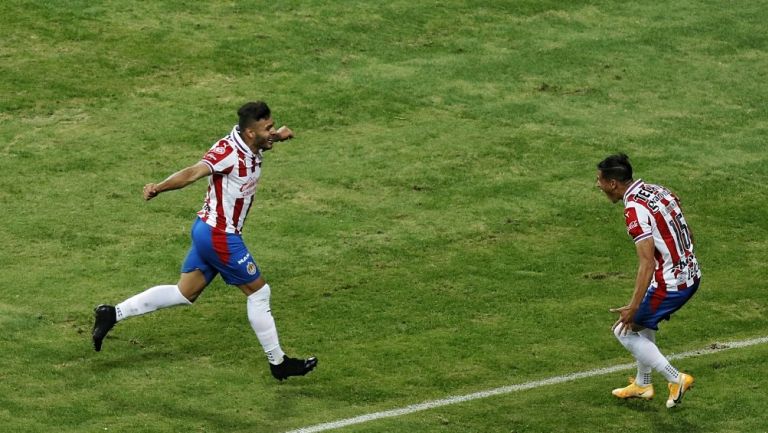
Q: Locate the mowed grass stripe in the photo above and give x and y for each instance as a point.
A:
(432, 404)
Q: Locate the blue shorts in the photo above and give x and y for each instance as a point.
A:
(214, 251)
(659, 305)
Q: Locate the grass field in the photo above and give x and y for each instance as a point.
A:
(433, 230)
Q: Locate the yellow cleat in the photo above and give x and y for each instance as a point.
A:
(677, 390)
(634, 391)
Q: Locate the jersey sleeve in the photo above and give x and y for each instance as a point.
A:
(221, 157)
(638, 220)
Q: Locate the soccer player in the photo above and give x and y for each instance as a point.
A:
(233, 168)
(667, 276)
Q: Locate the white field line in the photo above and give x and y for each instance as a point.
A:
(714, 348)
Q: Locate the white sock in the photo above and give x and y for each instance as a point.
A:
(671, 373)
(150, 300)
(646, 352)
(263, 324)
(644, 375)
(649, 334)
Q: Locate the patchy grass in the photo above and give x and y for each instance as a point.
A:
(432, 230)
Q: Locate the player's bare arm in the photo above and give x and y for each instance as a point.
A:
(646, 266)
(177, 180)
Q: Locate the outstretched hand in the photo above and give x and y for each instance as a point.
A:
(150, 191)
(624, 323)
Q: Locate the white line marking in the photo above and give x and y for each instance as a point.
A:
(713, 348)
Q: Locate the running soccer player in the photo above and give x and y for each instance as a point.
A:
(667, 276)
(233, 168)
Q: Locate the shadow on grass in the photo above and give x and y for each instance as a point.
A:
(133, 360)
(639, 406)
(659, 416)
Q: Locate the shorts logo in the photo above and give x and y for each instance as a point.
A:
(251, 268)
(243, 260)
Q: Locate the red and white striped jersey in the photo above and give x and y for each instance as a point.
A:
(652, 211)
(235, 173)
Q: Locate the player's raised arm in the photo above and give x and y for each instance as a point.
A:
(177, 180)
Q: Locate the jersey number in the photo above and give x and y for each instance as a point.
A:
(681, 230)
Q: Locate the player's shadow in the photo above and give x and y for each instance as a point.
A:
(676, 423)
(639, 406)
(662, 419)
(114, 355)
(130, 361)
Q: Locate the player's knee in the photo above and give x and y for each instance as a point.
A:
(192, 284)
(259, 312)
(618, 332)
(190, 295)
(259, 299)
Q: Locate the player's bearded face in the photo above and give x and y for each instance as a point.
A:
(263, 131)
(609, 187)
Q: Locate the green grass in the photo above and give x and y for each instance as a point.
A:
(433, 230)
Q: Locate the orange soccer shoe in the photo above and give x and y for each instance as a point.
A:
(677, 390)
(634, 391)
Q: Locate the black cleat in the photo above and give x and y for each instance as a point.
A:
(292, 367)
(106, 317)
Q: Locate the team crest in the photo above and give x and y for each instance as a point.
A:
(251, 268)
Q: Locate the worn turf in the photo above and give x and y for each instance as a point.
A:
(433, 229)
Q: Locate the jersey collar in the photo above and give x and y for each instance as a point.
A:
(234, 137)
(632, 188)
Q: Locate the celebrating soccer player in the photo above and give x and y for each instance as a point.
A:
(233, 168)
(667, 276)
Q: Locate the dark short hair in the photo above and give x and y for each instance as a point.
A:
(252, 112)
(616, 167)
